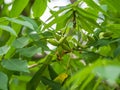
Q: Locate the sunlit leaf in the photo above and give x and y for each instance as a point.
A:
(18, 7)
(39, 7)
(61, 78)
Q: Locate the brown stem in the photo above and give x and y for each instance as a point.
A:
(72, 1)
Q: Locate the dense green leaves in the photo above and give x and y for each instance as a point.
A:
(76, 48)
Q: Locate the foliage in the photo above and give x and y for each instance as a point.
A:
(86, 40)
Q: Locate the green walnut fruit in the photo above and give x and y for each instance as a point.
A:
(53, 42)
(101, 35)
(105, 35)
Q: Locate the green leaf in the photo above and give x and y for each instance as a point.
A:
(3, 81)
(56, 13)
(17, 28)
(18, 7)
(21, 22)
(96, 7)
(102, 42)
(20, 42)
(87, 81)
(58, 19)
(43, 44)
(85, 25)
(52, 84)
(48, 34)
(52, 72)
(105, 72)
(117, 51)
(90, 56)
(113, 26)
(4, 37)
(105, 50)
(8, 29)
(15, 65)
(1, 2)
(34, 24)
(29, 51)
(39, 7)
(4, 50)
(87, 17)
(33, 83)
(86, 14)
(113, 6)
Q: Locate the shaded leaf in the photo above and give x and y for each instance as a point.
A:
(52, 72)
(4, 50)
(117, 51)
(29, 51)
(20, 42)
(3, 81)
(101, 42)
(53, 85)
(90, 56)
(33, 83)
(15, 65)
(42, 44)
